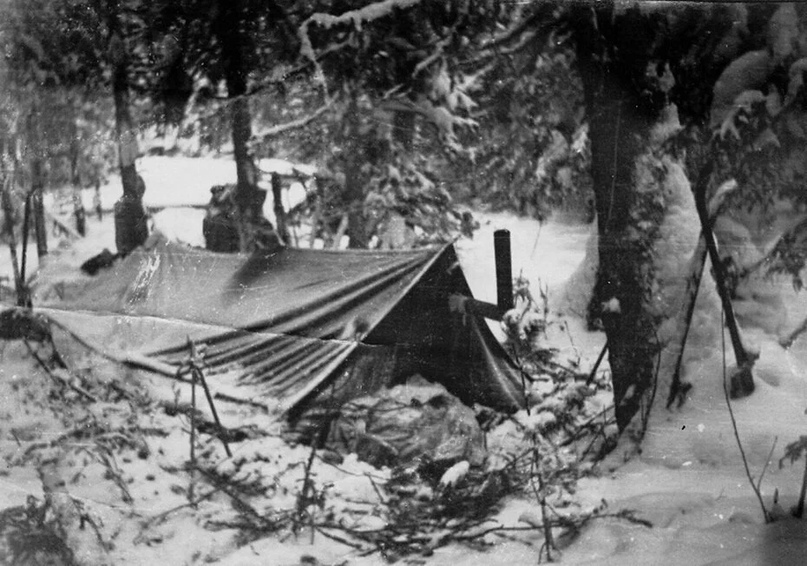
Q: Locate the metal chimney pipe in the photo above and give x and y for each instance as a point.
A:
(504, 270)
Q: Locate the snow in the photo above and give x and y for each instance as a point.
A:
(688, 480)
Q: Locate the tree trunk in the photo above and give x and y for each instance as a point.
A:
(75, 180)
(354, 180)
(131, 226)
(40, 226)
(280, 211)
(37, 183)
(9, 219)
(618, 129)
(248, 198)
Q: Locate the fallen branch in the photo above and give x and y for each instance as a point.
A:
(242, 506)
(413, 539)
(594, 369)
(238, 401)
(161, 516)
(697, 264)
(57, 375)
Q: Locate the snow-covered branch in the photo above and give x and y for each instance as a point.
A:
(356, 18)
(292, 125)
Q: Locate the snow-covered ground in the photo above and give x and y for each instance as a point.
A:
(688, 480)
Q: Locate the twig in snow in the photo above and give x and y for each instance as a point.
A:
(594, 369)
(757, 492)
(237, 401)
(788, 340)
(767, 462)
(242, 506)
(646, 413)
(159, 517)
(57, 376)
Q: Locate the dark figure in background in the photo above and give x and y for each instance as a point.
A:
(220, 225)
(131, 221)
(468, 224)
(78, 211)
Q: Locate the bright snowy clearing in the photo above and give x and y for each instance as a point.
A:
(688, 481)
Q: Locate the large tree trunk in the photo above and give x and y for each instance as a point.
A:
(131, 225)
(248, 198)
(618, 131)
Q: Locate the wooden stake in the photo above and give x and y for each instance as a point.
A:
(742, 381)
(195, 365)
(201, 377)
(193, 437)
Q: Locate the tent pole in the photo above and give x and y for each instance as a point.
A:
(504, 270)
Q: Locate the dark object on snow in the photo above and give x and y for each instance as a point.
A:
(416, 422)
(468, 224)
(220, 225)
(22, 324)
(31, 534)
(101, 261)
(305, 327)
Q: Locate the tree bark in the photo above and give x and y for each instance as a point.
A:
(10, 215)
(248, 198)
(40, 226)
(619, 126)
(131, 226)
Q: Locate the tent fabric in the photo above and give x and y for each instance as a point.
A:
(297, 322)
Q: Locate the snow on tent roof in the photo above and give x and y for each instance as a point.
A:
(293, 319)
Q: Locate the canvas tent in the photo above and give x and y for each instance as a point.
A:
(303, 326)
